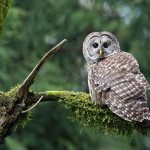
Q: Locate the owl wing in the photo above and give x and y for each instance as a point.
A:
(124, 86)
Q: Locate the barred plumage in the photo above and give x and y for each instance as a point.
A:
(114, 79)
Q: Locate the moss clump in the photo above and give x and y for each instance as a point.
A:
(7, 99)
(11, 112)
(81, 109)
(22, 120)
(11, 100)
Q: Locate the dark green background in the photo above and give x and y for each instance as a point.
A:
(31, 28)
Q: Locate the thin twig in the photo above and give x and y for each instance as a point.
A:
(25, 111)
(30, 78)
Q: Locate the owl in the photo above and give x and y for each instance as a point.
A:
(114, 77)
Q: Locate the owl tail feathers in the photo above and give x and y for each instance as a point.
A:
(119, 112)
(135, 110)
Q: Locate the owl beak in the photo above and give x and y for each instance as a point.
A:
(100, 52)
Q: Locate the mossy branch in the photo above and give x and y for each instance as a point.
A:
(82, 110)
(80, 107)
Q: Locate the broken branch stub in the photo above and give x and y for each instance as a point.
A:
(30, 78)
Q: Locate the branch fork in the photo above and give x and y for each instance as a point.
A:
(24, 88)
(14, 107)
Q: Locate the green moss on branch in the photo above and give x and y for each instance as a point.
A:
(82, 110)
(10, 113)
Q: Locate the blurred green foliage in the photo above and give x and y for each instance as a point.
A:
(31, 28)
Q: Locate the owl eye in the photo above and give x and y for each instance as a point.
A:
(106, 44)
(95, 45)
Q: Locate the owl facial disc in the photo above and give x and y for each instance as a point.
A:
(99, 45)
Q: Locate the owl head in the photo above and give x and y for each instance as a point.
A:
(99, 45)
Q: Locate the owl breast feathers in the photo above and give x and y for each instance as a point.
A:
(117, 82)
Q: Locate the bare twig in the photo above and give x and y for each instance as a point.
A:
(30, 79)
(33, 105)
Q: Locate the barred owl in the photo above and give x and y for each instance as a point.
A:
(114, 77)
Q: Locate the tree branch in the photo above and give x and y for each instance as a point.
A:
(14, 102)
(82, 110)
